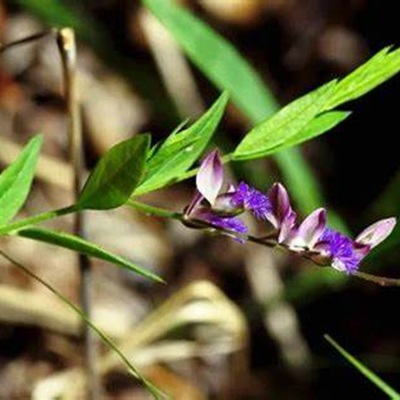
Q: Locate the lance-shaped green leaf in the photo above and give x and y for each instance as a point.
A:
(230, 71)
(76, 243)
(217, 58)
(319, 125)
(283, 125)
(116, 175)
(16, 180)
(370, 375)
(181, 149)
(378, 69)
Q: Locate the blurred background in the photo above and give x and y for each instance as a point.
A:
(244, 322)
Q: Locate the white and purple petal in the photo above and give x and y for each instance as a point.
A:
(307, 235)
(377, 232)
(280, 205)
(210, 177)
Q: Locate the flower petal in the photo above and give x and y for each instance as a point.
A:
(194, 204)
(280, 205)
(209, 179)
(248, 198)
(230, 223)
(340, 251)
(310, 230)
(377, 232)
(287, 226)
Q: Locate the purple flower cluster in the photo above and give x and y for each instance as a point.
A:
(220, 208)
(311, 238)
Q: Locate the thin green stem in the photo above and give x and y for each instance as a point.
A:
(154, 211)
(157, 394)
(36, 219)
(364, 370)
(198, 224)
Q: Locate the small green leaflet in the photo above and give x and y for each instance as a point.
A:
(116, 175)
(378, 69)
(283, 125)
(259, 142)
(320, 124)
(371, 376)
(79, 245)
(181, 149)
(223, 65)
(227, 69)
(16, 180)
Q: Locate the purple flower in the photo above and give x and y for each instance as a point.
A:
(280, 215)
(248, 198)
(230, 223)
(311, 238)
(308, 233)
(345, 254)
(210, 177)
(204, 214)
(377, 232)
(219, 207)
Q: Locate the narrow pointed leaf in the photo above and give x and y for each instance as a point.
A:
(378, 69)
(228, 70)
(181, 149)
(322, 123)
(370, 375)
(217, 58)
(116, 175)
(75, 243)
(16, 180)
(284, 125)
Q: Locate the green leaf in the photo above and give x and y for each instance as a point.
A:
(52, 11)
(228, 70)
(16, 180)
(370, 375)
(181, 149)
(284, 125)
(82, 246)
(319, 125)
(378, 69)
(116, 175)
(217, 58)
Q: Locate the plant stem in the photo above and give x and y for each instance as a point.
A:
(197, 223)
(266, 241)
(157, 394)
(379, 280)
(67, 49)
(154, 211)
(36, 219)
(25, 40)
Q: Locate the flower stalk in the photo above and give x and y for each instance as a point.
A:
(216, 208)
